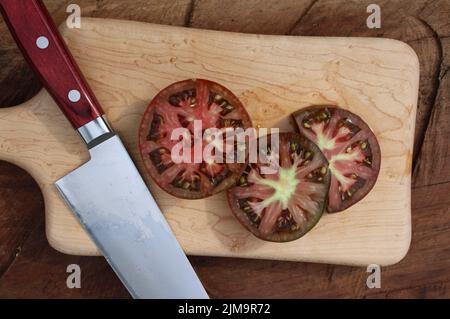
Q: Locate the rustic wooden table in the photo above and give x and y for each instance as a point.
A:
(30, 268)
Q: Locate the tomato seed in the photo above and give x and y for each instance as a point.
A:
(186, 185)
(363, 145)
(230, 123)
(173, 99)
(154, 133)
(293, 147)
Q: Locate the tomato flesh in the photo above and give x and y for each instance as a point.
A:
(350, 147)
(182, 105)
(284, 205)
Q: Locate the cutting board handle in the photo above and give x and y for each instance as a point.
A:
(44, 49)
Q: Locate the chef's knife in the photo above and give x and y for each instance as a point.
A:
(107, 193)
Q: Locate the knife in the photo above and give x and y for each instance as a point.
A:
(107, 194)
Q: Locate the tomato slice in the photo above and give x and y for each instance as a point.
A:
(351, 148)
(284, 205)
(179, 106)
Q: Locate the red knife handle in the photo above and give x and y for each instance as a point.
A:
(44, 49)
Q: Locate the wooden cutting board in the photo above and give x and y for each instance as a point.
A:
(127, 63)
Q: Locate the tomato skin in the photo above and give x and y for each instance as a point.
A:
(339, 200)
(308, 192)
(178, 106)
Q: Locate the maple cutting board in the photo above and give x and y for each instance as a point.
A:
(127, 63)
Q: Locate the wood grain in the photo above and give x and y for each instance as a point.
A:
(21, 214)
(236, 16)
(433, 166)
(128, 63)
(424, 271)
(399, 21)
(46, 275)
(19, 83)
(426, 265)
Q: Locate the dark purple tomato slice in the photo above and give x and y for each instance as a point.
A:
(350, 147)
(178, 106)
(284, 205)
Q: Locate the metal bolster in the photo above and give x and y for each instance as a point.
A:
(95, 129)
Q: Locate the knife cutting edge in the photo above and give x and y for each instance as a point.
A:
(107, 194)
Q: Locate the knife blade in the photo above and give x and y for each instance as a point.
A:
(107, 194)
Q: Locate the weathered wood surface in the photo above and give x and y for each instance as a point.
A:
(30, 268)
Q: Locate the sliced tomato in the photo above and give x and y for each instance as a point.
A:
(178, 106)
(351, 148)
(284, 204)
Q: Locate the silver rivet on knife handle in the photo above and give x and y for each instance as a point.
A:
(94, 131)
(42, 42)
